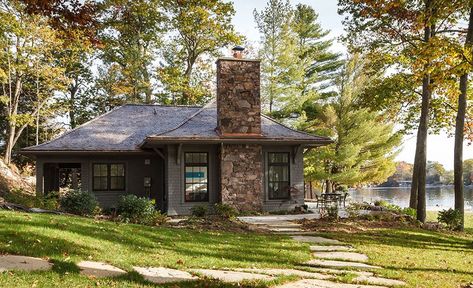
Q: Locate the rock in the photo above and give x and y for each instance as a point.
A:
(345, 256)
(341, 264)
(315, 239)
(432, 226)
(379, 281)
(315, 283)
(328, 248)
(11, 179)
(99, 269)
(300, 273)
(23, 263)
(161, 275)
(340, 271)
(243, 104)
(232, 276)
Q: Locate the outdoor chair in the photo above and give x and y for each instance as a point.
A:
(320, 200)
(342, 200)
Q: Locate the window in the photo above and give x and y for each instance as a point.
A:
(196, 174)
(278, 176)
(108, 177)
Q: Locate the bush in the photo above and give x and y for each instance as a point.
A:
(225, 211)
(18, 196)
(80, 203)
(199, 210)
(451, 217)
(330, 213)
(409, 211)
(134, 209)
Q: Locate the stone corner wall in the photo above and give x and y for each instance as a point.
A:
(241, 176)
(238, 96)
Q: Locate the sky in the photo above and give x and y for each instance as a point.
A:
(439, 147)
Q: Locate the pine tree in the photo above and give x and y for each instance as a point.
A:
(364, 143)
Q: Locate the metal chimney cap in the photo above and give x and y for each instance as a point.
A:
(238, 48)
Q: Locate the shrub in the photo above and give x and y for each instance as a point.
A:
(199, 210)
(225, 211)
(451, 217)
(18, 196)
(79, 202)
(134, 209)
(409, 211)
(330, 213)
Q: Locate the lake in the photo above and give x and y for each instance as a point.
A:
(438, 198)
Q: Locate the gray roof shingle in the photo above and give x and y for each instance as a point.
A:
(127, 127)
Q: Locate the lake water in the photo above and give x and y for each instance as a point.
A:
(438, 198)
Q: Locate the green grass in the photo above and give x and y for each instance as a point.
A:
(67, 240)
(421, 258)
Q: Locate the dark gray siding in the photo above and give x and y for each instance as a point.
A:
(136, 170)
(175, 178)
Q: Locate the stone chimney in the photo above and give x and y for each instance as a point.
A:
(239, 115)
(238, 95)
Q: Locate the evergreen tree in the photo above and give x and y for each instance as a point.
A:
(280, 71)
(364, 143)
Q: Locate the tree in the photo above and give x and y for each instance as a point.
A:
(29, 76)
(364, 143)
(407, 31)
(130, 35)
(280, 71)
(460, 122)
(199, 29)
(316, 63)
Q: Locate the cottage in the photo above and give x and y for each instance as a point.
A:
(181, 156)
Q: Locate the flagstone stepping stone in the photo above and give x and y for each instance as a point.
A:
(23, 263)
(99, 269)
(345, 256)
(341, 271)
(285, 230)
(315, 239)
(379, 281)
(161, 275)
(232, 276)
(316, 283)
(330, 248)
(300, 273)
(341, 264)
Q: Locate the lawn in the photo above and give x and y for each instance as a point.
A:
(67, 240)
(419, 257)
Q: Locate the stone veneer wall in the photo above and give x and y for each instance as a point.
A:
(238, 96)
(242, 176)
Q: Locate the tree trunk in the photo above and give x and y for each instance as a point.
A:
(459, 130)
(421, 149)
(10, 143)
(414, 183)
(421, 145)
(328, 186)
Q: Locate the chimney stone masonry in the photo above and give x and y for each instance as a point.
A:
(239, 116)
(238, 97)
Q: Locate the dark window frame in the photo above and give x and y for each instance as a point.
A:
(109, 176)
(279, 164)
(206, 165)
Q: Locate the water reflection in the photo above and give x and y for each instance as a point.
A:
(437, 197)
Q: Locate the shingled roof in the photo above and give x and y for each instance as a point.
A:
(131, 127)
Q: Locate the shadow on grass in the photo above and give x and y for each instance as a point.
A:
(52, 236)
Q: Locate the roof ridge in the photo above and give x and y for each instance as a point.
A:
(76, 128)
(186, 120)
(161, 105)
(292, 129)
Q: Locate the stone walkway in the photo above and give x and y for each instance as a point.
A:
(332, 260)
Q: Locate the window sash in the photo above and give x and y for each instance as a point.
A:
(196, 177)
(108, 177)
(279, 175)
